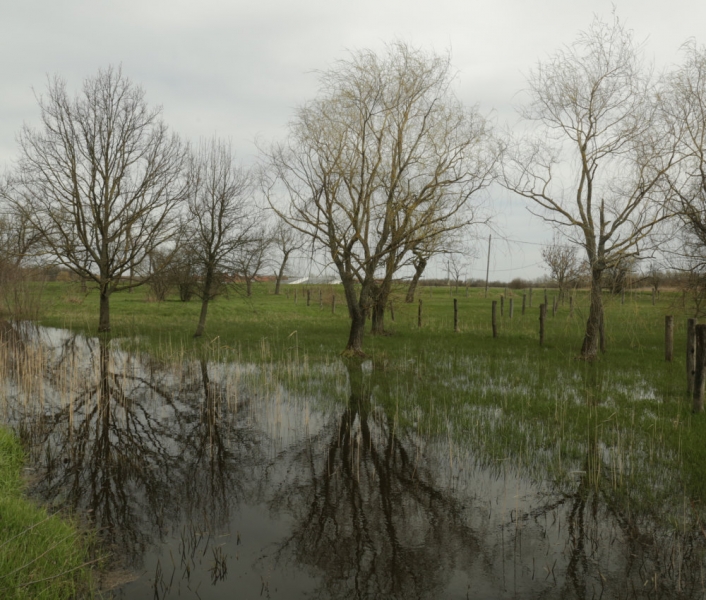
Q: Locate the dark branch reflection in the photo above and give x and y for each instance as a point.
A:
(369, 514)
(139, 449)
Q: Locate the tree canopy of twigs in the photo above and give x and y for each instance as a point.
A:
(101, 180)
(596, 158)
(383, 156)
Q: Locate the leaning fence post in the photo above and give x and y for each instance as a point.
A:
(668, 337)
(542, 317)
(494, 319)
(700, 375)
(502, 306)
(690, 354)
(455, 315)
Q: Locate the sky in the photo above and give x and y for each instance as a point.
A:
(239, 69)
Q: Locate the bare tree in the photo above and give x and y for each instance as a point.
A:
(101, 180)
(286, 240)
(384, 155)
(563, 264)
(596, 161)
(253, 257)
(456, 265)
(220, 217)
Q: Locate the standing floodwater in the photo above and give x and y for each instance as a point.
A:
(220, 480)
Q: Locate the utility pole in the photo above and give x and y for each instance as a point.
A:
(487, 269)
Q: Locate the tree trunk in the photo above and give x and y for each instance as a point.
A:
(206, 297)
(354, 347)
(281, 273)
(418, 270)
(380, 296)
(356, 309)
(378, 319)
(591, 340)
(104, 318)
(202, 317)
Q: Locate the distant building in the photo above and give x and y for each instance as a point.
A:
(314, 280)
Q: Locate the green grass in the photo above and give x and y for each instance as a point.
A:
(41, 556)
(507, 399)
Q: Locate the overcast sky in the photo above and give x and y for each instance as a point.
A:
(239, 68)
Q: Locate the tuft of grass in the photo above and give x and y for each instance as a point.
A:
(42, 557)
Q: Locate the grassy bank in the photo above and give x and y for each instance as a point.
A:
(41, 556)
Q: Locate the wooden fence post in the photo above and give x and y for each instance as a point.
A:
(321, 300)
(668, 337)
(419, 314)
(700, 375)
(512, 307)
(502, 306)
(333, 304)
(295, 296)
(690, 354)
(542, 317)
(308, 297)
(494, 319)
(546, 298)
(524, 303)
(455, 315)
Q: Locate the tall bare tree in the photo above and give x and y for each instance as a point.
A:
(101, 180)
(384, 155)
(220, 217)
(596, 159)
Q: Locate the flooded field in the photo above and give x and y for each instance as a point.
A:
(285, 479)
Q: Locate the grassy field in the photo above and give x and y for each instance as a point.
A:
(632, 380)
(41, 556)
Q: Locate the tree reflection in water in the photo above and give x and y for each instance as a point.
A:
(171, 462)
(137, 448)
(369, 514)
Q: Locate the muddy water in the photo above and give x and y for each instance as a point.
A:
(211, 480)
